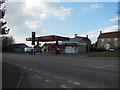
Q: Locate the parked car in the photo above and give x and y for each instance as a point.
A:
(55, 51)
(29, 50)
(111, 49)
(52, 51)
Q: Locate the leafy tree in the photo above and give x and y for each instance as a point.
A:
(7, 42)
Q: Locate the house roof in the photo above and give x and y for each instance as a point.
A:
(77, 39)
(109, 35)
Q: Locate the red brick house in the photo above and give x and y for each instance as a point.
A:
(108, 40)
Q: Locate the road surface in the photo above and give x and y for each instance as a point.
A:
(57, 71)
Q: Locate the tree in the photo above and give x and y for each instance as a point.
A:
(7, 43)
(3, 29)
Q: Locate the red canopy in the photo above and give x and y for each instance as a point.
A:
(49, 38)
(62, 45)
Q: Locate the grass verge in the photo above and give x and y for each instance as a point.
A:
(109, 54)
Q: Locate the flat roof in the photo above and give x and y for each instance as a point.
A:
(49, 38)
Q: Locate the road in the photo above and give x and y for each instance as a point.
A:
(57, 71)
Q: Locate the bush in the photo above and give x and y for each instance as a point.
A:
(117, 49)
(97, 49)
(7, 43)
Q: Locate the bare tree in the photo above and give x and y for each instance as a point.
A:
(3, 29)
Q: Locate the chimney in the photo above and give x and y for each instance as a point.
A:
(86, 36)
(75, 36)
(100, 32)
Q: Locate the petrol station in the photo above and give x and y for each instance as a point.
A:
(67, 45)
(50, 38)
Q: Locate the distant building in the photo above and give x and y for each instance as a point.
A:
(77, 44)
(108, 40)
(19, 48)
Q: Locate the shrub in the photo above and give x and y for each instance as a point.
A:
(97, 49)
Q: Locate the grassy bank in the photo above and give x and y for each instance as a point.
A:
(108, 54)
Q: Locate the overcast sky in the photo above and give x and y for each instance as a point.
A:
(60, 18)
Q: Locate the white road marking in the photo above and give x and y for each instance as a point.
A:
(12, 63)
(105, 66)
(74, 82)
(38, 76)
(17, 64)
(77, 83)
(47, 80)
(63, 86)
(24, 67)
(29, 69)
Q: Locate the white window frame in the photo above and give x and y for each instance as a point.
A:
(102, 40)
(108, 39)
(115, 39)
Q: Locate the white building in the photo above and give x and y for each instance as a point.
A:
(108, 40)
(77, 44)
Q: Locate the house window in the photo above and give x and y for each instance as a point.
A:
(116, 44)
(102, 40)
(115, 39)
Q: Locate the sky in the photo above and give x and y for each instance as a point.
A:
(60, 18)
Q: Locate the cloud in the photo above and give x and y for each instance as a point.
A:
(43, 16)
(110, 29)
(24, 17)
(92, 35)
(116, 19)
(61, 12)
(32, 25)
(92, 7)
(96, 5)
(45, 9)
